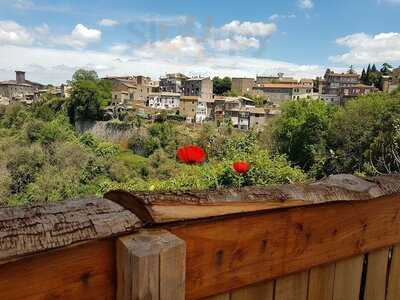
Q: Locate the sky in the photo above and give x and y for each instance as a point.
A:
(50, 39)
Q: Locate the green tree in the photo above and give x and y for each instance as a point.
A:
(222, 85)
(83, 74)
(301, 132)
(363, 135)
(386, 69)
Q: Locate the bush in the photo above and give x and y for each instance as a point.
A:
(24, 163)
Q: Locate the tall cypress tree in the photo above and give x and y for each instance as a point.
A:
(363, 76)
(368, 75)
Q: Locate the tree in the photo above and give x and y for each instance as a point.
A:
(364, 135)
(83, 74)
(301, 132)
(88, 96)
(364, 77)
(85, 101)
(386, 69)
(222, 86)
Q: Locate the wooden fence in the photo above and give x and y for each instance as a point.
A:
(335, 239)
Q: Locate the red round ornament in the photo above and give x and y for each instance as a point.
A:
(191, 155)
(241, 167)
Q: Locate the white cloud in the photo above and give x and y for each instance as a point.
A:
(177, 48)
(364, 48)
(42, 30)
(236, 43)
(57, 65)
(23, 4)
(306, 4)
(255, 29)
(80, 37)
(389, 1)
(119, 48)
(108, 22)
(11, 33)
(276, 17)
(166, 20)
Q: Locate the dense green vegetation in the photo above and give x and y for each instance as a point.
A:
(44, 159)
(361, 137)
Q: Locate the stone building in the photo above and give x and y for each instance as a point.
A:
(20, 89)
(172, 83)
(344, 85)
(242, 86)
(279, 92)
(198, 87)
(132, 88)
(196, 109)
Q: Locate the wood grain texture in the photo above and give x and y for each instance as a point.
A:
(138, 266)
(180, 206)
(151, 266)
(224, 255)
(292, 287)
(321, 282)
(32, 229)
(375, 287)
(84, 272)
(172, 268)
(220, 297)
(393, 291)
(263, 291)
(348, 275)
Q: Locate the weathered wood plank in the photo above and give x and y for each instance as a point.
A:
(151, 265)
(321, 282)
(263, 291)
(179, 206)
(393, 291)
(375, 288)
(32, 229)
(172, 268)
(83, 272)
(348, 275)
(138, 266)
(223, 255)
(219, 297)
(292, 287)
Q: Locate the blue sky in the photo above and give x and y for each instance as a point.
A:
(51, 39)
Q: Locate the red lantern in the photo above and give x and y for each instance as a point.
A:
(241, 167)
(191, 155)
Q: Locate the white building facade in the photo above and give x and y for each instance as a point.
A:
(164, 101)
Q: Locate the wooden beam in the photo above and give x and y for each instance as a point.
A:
(41, 227)
(83, 272)
(182, 206)
(151, 266)
(227, 254)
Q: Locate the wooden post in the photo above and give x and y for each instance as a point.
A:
(151, 266)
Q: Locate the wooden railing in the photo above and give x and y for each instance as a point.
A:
(334, 239)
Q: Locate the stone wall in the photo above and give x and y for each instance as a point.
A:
(113, 132)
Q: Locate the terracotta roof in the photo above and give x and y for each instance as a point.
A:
(188, 98)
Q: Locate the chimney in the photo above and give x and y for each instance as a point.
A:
(20, 76)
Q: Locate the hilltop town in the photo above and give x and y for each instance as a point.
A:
(246, 102)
